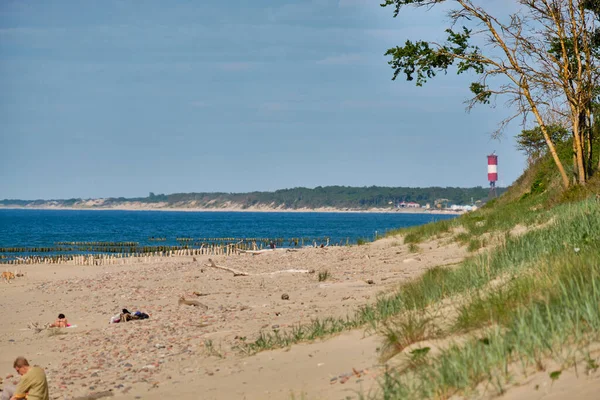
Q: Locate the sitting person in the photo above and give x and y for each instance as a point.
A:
(61, 322)
(33, 384)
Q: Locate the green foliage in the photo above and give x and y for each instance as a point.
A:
(463, 238)
(537, 186)
(401, 332)
(533, 143)
(211, 350)
(324, 275)
(330, 196)
(578, 193)
(475, 244)
(417, 57)
(318, 328)
(420, 59)
(398, 4)
(591, 364)
(361, 241)
(413, 248)
(420, 352)
(153, 198)
(592, 5)
(499, 306)
(481, 93)
(420, 233)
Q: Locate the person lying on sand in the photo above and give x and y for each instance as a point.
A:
(61, 322)
(127, 316)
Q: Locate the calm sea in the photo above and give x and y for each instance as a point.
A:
(46, 228)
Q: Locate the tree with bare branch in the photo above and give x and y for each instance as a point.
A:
(543, 58)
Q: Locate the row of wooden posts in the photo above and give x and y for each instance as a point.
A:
(127, 258)
(134, 247)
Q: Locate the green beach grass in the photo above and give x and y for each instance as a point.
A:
(546, 307)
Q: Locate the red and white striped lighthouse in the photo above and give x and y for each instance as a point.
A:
(492, 169)
(492, 174)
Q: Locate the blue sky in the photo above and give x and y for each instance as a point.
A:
(126, 97)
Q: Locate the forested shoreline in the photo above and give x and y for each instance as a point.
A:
(340, 197)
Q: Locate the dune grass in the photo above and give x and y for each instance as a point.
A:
(535, 295)
(544, 305)
(421, 233)
(406, 329)
(559, 326)
(324, 275)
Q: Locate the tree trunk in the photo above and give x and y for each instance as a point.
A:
(584, 128)
(551, 148)
(575, 174)
(578, 143)
(590, 143)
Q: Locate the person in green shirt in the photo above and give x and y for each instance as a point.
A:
(33, 384)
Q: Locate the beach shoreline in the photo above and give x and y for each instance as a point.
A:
(247, 209)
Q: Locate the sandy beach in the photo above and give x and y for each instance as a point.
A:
(188, 353)
(154, 357)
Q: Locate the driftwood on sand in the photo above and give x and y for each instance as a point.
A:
(209, 294)
(193, 303)
(235, 273)
(240, 273)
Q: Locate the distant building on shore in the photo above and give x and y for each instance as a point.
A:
(410, 204)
